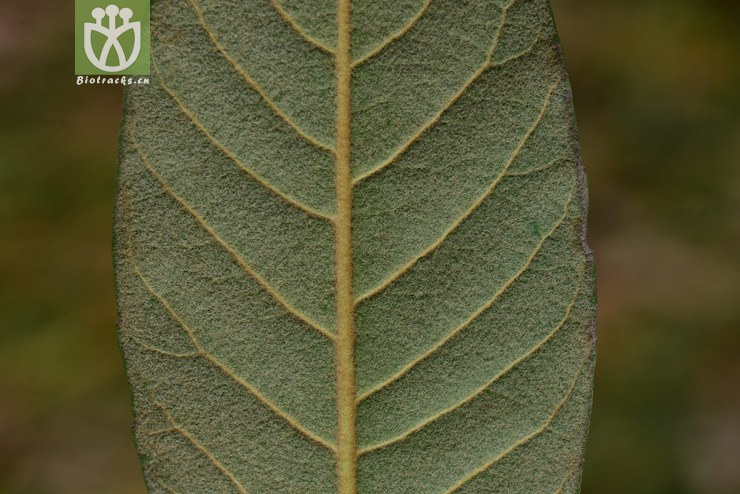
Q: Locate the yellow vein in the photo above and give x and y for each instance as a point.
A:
(201, 352)
(478, 312)
(200, 447)
(232, 156)
(290, 21)
(253, 84)
(345, 344)
(435, 120)
(233, 253)
(487, 64)
(166, 353)
(529, 353)
(538, 169)
(167, 487)
(473, 207)
(393, 37)
(540, 430)
(565, 481)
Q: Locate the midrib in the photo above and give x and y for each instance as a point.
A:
(345, 372)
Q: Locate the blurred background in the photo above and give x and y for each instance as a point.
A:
(657, 92)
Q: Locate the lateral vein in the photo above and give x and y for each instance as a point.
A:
(290, 21)
(232, 156)
(167, 487)
(485, 66)
(200, 447)
(467, 213)
(253, 84)
(475, 315)
(201, 352)
(565, 480)
(233, 253)
(146, 346)
(513, 365)
(408, 26)
(544, 427)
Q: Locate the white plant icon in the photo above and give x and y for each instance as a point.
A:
(112, 33)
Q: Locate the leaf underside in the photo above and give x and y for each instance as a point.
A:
(468, 322)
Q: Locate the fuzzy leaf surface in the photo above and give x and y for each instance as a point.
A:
(350, 250)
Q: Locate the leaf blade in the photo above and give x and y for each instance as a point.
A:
(297, 213)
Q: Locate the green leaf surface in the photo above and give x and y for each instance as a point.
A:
(350, 250)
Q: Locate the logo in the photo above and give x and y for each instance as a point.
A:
(112, 33)
(112, 38)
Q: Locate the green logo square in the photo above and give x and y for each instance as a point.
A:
(112, 37)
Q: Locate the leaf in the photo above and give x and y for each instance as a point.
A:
(350, 250)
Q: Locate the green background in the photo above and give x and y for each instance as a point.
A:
(83, 9)
(657, 91)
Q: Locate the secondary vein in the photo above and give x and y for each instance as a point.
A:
(544, 427)
(202, 449)
(477, 313)
(253, 83)
(434, 120)
(195, 121)
(228, 248)
(290, 21)
(221, 366)
(408, 26)
(486, 386)
(393, 277)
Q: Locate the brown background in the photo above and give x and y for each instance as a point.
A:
(657, 87)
